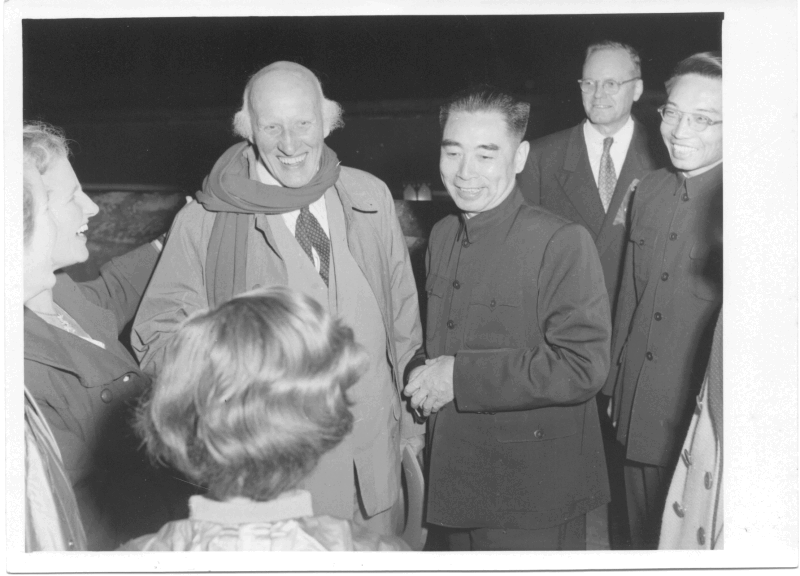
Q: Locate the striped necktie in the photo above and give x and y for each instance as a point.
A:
(309, 233)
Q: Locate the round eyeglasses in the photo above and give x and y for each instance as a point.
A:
(610, 87)
(696, 122)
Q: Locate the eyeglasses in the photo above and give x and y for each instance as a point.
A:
(697, 122)
(610, 87)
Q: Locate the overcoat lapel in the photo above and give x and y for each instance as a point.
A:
(577, 182)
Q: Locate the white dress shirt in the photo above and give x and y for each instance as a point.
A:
(318, 209)
(619, 149)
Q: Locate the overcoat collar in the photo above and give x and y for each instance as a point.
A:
(51, 346)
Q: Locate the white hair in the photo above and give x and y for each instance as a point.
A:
(243, 124)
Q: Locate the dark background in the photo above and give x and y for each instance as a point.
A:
(150, 100)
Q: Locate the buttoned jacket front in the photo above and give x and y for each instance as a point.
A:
(516, 295)
(670, 297)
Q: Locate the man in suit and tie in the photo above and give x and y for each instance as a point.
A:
(587, 173)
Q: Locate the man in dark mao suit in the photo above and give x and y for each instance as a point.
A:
(565, 171)
(670, 296)
(517, 347)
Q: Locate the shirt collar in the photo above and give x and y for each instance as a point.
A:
(705, 181)
(593, 135)
(291, 504)
(485, 220)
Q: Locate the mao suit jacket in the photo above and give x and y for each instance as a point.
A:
(516, 294)
(558, 176)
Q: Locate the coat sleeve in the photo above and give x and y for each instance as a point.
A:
(407, 329)
(177, 288)
(122, 283)
(571, 363)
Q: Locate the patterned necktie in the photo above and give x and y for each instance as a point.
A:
(608, 176)
(309, 233)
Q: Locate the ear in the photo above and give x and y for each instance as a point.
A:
(521, 156)
(638, 89)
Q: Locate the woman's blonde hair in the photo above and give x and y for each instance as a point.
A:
(41, 143)
(252, 394)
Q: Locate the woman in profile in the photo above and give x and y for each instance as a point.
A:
(250, 396)
(82, 379)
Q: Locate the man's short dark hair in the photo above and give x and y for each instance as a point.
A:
(613, 45)
(489, 99)
(706, 64)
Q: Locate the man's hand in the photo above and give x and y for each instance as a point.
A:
(431, 386)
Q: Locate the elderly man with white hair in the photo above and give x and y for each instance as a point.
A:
(278, 209)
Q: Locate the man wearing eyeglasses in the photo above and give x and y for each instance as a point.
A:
(670, 297)
(586, 173)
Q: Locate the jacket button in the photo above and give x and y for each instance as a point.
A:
(465, 243)
(658, 316)
(687, 458)
(708, 480)
(649, 355)
(493, 303)
(71, 544)
(538, 434)
(451, 324)
(673, 236)
(665, 276)
(456, 284)
(678, 510)
(641, 242)
(701, 536)
(126, 378)
(106, 395)
(685, 196)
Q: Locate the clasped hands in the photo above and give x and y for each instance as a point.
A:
(431, 386)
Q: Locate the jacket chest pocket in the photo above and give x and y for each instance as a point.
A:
(495, 318)
(436, 290)
(644, 240)
(538, 425)
(705, 271)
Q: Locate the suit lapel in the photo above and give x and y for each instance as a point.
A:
(577, 182)
(633, 167)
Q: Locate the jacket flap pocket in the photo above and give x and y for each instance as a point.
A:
(537, 425)
(505, 294)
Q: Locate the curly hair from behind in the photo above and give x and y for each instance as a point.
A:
(252, 394)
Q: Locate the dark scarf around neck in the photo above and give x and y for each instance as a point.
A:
(229, 191)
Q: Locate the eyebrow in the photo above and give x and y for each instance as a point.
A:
(490, 147)
(703, 110)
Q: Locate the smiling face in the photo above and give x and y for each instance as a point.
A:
(609, 112)
(37, 256)
(479, 160)
(691, 151)
(71, 209)
(286, 111)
